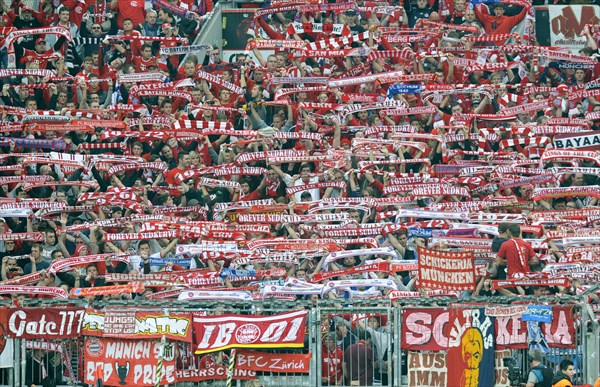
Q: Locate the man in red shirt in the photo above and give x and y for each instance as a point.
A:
(175, 175)
(41, 55)
(142, 63)
(128, 9)
(498, 24)
(516, 254)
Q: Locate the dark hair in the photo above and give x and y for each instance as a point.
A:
(559, 200)
(363, 335)
(503, 227)
(181, 155)
(53, 254)
(514, 230)
(564, 365)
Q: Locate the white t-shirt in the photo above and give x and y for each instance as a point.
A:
(315, 193)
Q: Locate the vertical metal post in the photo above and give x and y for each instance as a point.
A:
(397, 348)
(23, 363)
(315, 347)
(581, 336)
(14, 376)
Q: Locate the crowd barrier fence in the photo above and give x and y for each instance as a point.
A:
(422, 343)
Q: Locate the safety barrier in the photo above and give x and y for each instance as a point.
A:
(426, 342)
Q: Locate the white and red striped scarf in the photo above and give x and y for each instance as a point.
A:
(41, 290)
(141, 77)
(215, 79)
(154, 166)
(262, 44)
(301, 28)
(334, 43)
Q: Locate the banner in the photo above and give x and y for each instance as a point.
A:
(567, 23)
(131, 324)
(511, 331)
(430, 369)
(427, 369)
(212, 373)
(127, 362)
(583, 140)
(7, 359)
(446, 270)
(48, 323)
(273, 362)
(501, 372)
(239, 331)
(468, 336)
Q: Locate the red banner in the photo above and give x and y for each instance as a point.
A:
(47, 323)
(130, 324)
(446, 270)
(216, 333)
(511, 331)
(437, 329)
(127, 362)
(273, 362)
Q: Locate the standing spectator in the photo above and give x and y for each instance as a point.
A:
(498, 23)
(358, 361)
(421, 11)
(63, 21)
(516, 253)
(128, 9)
(149, 27)
(458, 14)
(36, 263)
(331, 361)
(41, 369)
(564, 377)
(40, 55)
(26, 21)
(539, 375)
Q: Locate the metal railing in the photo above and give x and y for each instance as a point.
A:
(333, 338)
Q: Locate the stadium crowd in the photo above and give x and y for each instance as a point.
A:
(318, 163)
(369, 131)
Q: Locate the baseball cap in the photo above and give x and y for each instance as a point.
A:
(351, 12)
(167, 26)
(39, 40)
(193, 202)
(26, 8)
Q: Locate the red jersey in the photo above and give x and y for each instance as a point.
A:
(33, 56)
(174, 176)
(331, 364)
(141, 64)
(495, 25)
(517, 253)
(130, 9)
(78, 8)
